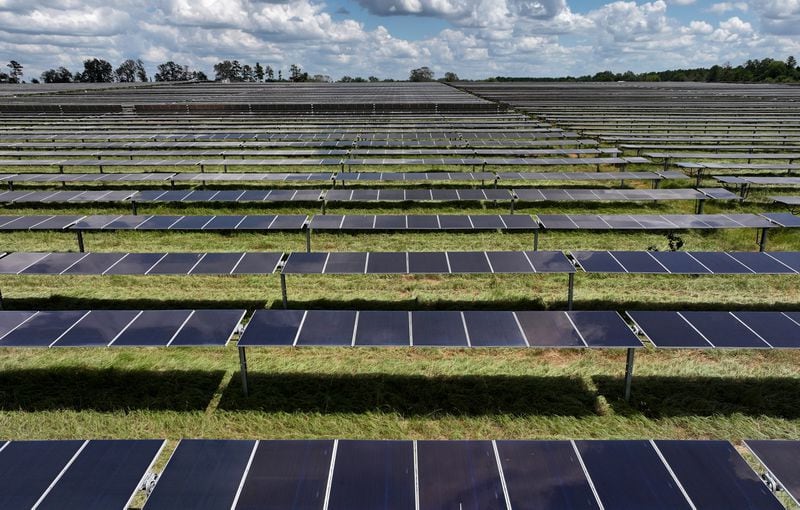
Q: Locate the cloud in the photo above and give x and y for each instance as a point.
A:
(724, 7)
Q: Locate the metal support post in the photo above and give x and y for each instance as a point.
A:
(243, 365)
(629, 374)
(570, 290)
(1, 299)
(10, 186)
(308, 240)
(762, 244)
(283, 291)
(133, 208)
(535, 240)
(699, 175)
(512, 206)
(79, 235)
(700, 204)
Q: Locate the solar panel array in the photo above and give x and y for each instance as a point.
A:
(658, 221)
(118, 328)
(780, 458)
(405, 475)
(679, 262)
(275, 328)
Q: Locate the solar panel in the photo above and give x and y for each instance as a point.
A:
(42, 329)
(780, 458)
(544, 474)
(176, 263)
(53, 263)
(713, 474)
(326, 327)
(387, 262)
(13, 263)
(258, 263)
(290, 474)
(97, 328)
(603, 329)
(346, 263)
(438, 328)
(678, 262)
(152, 328)
(638, 262)
(216, 263)
(427, 262)
(720, 263)
(493, 329)
(597, 262)
(106, 474)
(459, 474)
(630, 474)
(668, 329)
(134, 264)
(305, 263)
(383, 328)
(783, 219)
(202, 474)
(208, 327)
(776, 328)
(468, 262)
(94, 263)
(373, 474)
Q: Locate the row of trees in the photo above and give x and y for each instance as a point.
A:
(766, 70)
(426, 74)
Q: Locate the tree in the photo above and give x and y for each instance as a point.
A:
(131, 70)
(60, 75)
(270, 73)
(228, 70)
(259, 72)
(373, 79)
(791, 63)
(199, 76)
(247, 73)
(346, 79)
(96, 70)
(421, 74)
(34, 81)
(170, 71)
(296, 73)
(15, 75)
(448, 76)
(321, 78)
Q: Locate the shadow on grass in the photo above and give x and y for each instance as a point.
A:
(107, 390)
(663, 397)
(410, 395)
(412, 304)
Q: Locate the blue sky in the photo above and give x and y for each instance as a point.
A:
(387, 38)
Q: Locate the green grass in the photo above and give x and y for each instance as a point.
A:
(399, 393)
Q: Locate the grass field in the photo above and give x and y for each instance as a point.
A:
(399, 393)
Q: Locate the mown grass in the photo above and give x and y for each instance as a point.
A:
(399, 393)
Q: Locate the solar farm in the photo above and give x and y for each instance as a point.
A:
(414, 296)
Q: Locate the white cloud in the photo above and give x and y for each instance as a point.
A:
(724, 7)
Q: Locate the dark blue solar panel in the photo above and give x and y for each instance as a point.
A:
(668, 329)
(493, 329)
(509, 262)
(375, 475)
(105, 475)
(258, 263)
(774, 327)
(217, 263)
(11, 319)
(223, 223)
(287, 474)
(383, 328)
(455, 222)
(597, 262)
(720, 263)
(327, 327)
(388, 222)
(263, 222)
(427, 262)
(100, 327)
(761, 262)
(27, 468)
(434, 328)
(176, 263)
(423, 222)
(548, 329)
(54, 263)
(191, 223)
(629, 475)
(604, 329)
(282, 222)
(152, 328)
(272, 327)
(638, 262)
(486, 222)
(208, 327)
(202, 474)
(346, 263)
(679, 262)
(460, 475)
(13, 263)
(714, 475)
(326, 222)
(723, 330)
(386, 262)
(544, 475)
(780, 458)
(135, 263)
(550, 262)
(42, 329)
(357, 222)
(158, 223)
(94, 263)
(518, 222)
(468, 262)
(305, 263)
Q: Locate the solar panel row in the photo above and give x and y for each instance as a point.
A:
(139, 263)
(739, 330)
(465, 475)
(91, 475)
(656, 221)
(362, 222)
(427, 262)
(118, 328)
(437, 329)
(676, 262)
(569, 195)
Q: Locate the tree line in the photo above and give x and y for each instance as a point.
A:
(766, 70)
